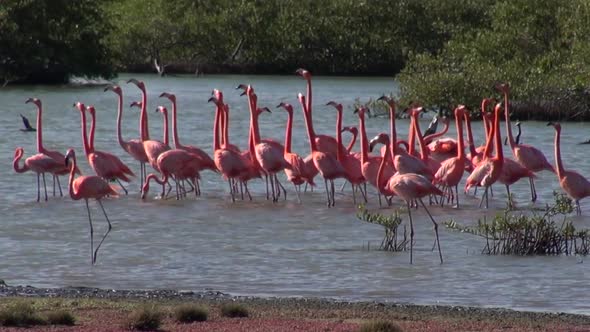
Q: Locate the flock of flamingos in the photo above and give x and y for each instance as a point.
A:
(397, 170)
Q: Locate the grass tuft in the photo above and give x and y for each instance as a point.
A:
(146, 318)
(380, 326)
(234, 310)
(60, 317)
(20, 314)
(189, 313)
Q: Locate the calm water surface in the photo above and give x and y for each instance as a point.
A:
(260, 248)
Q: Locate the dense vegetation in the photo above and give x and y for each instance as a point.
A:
(446, 52)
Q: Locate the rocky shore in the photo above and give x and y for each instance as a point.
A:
(342, 316)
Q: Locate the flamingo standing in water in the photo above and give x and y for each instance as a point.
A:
(56, 155)
(296, 174)
(526, 155)
(133, 147)
(352, 165)
(206, 162)
(572, 182)
(39, 164)
(87, 187)
(451, 170)
(489, 170)
(409, 186)
(327, 164)
(114, 160)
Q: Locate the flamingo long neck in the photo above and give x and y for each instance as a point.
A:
(487, 152)
(87, 149)
(380, 179)
(225, 126)
(74, 195)
(508, 126)
(309, 102)
(165, 115)
(174, 127)
(216, 124)
(460, 143)
(352, 141)
(160, 181)
(339, 154)
(144, 128)
(288, 131)
(92, 129)
(418, 133)
(470, 135)
(364, 142)
(40, 147)
(310, 133)
(222, 119)
(558, 162)
(392, 131)
(498, 142)
(16, 160)
(122, 143)
(412, 138)
(431, 137)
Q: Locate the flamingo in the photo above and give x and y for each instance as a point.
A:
(104, 164)
(354, 132)
(352, 165)
(56, 155)
(431, 164)
(133, 147)
(490, 169)
(206, 162)
(143, 124)
(229, 162)
(86, 187)
(572, 182)
(296, 174)
(526, 155)
(451, 170)
(121, 168)
(39, 163)
(409, 186)
(327, 165)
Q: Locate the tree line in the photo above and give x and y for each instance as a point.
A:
(443, 52)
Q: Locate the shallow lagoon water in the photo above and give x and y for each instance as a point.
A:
(261, 248)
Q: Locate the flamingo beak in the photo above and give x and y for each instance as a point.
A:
(550, 124)
(212, 99)
(30, 100)
(134, 81)
(383, 98)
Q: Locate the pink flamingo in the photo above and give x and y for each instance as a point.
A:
(178, 164)
(431, 164)
(206, 161)
(354, 132)
(114, 160)
(325, 163)
(352, 165)
(39, 163)
(296, 174)
(143, 125)
(104, 164)
(410, 187)
(451, 170)
(86, 187)
(133, 147)
(229, 162)
(490, 169)
(526, 155)
(572, 182)
(56, 155)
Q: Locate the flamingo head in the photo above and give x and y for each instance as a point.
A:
(90, 109)
(337, 106)
(361, 111)
(555, 125)
(382, 138)
(170, 96)
(351, 129)
(115, 88)
(498, 108)
(80, 106)
(301, 99)
(485, 102)
(388, 100)
(139, 84)
(18, 152)
(415, 111)
(286, 106)
(162, 110)
(303, 73)
(263, 109)
(137, 104)
(460, 111)
(247, 89)
(35, 101)
(218, 94)
(502, 87)
(70, 154)
(215, 101)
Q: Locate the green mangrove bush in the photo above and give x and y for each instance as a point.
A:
(392, 239)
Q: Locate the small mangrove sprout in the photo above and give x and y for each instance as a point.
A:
(547, 233)
(392, 241)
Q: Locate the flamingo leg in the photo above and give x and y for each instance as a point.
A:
(91, 234)
(107, 232)
(231, 191)
(379, 195)
(121, 185)
(266, 180)
(484, 196)
(281, 186)
(332, 191)
(435, 230)
(54, 184)
(411, 232)
(272, 187)
(247, 191)
(297, 192)
(44, 185)
(327, 191)
(533, 190)
(510, 205)
(305, 189)
(59, 186)
(343, 185)
(353, 193)
(364, 192)
(457, 194)
(578, 208)
(38, 186)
